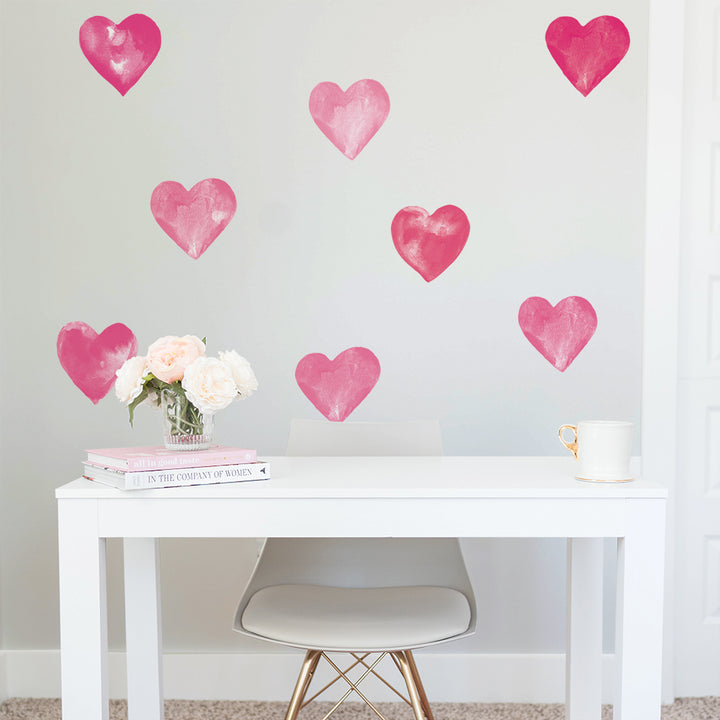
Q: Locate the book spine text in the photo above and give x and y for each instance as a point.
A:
(187, 460)
(197, 476)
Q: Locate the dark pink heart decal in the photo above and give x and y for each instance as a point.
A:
(91, 360)
(336, 387)
(193, 218)
(559, 333)
(430, 243)
(587, 53)
(120, 53)
(349, 119)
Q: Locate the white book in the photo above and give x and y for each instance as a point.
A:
(177, 477)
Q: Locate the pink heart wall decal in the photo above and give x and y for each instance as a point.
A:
(336, 387)
(120, 53)
(558, 333)
(193, 218)
(349, 119)
(91, 360)
(430, 243)
(587, 53)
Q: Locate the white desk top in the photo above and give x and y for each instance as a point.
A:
(397, 477)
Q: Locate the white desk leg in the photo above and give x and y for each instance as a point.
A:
(143, 629)
(83, 612)
(583, 661)
(638, 643)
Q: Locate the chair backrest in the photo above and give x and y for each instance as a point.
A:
(325, 438)
(361, 562)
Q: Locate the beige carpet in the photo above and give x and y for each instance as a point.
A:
(30, 709)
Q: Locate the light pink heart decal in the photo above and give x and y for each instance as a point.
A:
(91, 360)
(587, 53)
(120, 53)
(559, 333)
(430, 243)
(349, 119)
(193, 218)
(336, 387)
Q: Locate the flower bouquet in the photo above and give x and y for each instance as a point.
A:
(190, 387)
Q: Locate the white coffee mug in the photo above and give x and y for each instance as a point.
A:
(602, 449)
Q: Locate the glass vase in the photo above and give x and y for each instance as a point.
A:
(184, 426)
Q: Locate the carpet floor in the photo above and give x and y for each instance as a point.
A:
(42, 709)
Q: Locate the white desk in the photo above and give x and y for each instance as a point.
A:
(370, 497)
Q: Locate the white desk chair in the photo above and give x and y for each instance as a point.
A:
(359, 596)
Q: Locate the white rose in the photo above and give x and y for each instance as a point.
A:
(241, 371)
(129, 383)
(209, 385)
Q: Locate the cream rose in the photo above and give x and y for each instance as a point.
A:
(209, 385)
(169, 356)
(241, 371)
(129, 383)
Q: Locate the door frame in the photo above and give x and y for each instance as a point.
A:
(666, 40)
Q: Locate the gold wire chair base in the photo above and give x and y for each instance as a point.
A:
(404, 662)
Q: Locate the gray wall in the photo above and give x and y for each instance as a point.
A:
(481, 117)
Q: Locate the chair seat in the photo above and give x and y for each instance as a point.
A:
(338, 618)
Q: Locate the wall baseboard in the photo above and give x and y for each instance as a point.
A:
(271, 676)
(3, 677)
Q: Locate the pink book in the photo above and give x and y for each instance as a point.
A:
(157, 458)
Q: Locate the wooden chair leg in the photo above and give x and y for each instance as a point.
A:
(415, 703)
(312, 657)
(419, 685)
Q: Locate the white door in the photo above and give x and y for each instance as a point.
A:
(697, 560)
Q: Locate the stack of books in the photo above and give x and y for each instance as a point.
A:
(140, 468)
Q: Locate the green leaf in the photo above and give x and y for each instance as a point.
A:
(131, 407)
(156, 384)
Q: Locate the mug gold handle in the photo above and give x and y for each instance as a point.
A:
(571, 446)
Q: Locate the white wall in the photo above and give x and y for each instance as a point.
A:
(481, 117)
